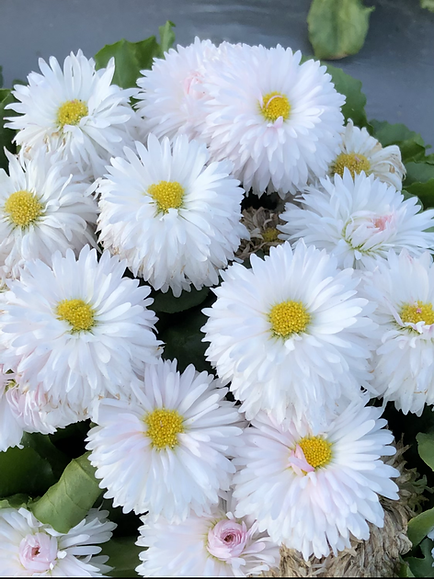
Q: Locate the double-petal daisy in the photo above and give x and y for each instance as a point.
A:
(313, 491)
(277, 120)
(78, 328)
(75, 110)
(290, 333)
(29, 548)
(166, 451)
(358, 220)
(172, 216)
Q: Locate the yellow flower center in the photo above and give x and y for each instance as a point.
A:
(355, 162)
(270, 235)
(419, 312)
(317, 451)
(275, 105)
(288, 318)
(23, 208)
(71, 112)
(167, 194)
(77, 313)
(163, 427)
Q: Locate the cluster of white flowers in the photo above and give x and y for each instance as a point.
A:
(300, 338)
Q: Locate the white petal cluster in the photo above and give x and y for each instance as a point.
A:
(360, 151)
(173, 217)
(290, 334)
(167, 450)
(42, 209)
(403, 366)
(29, 548)
(78, 328)
(315, 507)
(358, 220)
(213, 545)
(75, 110)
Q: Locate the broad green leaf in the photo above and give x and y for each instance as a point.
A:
(167, 303)
(23, 470)
(411, 144)
(418, 173)
(354, 107)
(46, 449)
(167, 37)
(428, 4)
(130, 59)
(425, 192)
(67, 502)
(405, 570)
(337, 28)
(422, 567)
(6, 135)
(15, 501)
(420, 526)
(123, 556)
(425, 444)
(184, 342)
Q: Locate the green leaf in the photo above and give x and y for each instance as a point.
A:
(167, 303)
(46, 449)
(422, 567)
(418, 172)
(167, 37)
(15, 501)
(130, 59)
(405, 570)
(420, 526)
(411, 144)
(123, 556)
(354, 107)
(425, 443)
(6, 135)
(67, 502)
(428, 4)
(23, 470)
(425, 192)
(337, 28)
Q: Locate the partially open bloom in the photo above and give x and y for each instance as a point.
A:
(29, 548)
(76, 111)
(212, 545)
(167, 450)
(312, 492)
(358, 220)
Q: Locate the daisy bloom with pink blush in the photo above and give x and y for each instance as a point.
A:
(212, 545)
(29, 548)
(358, 220)
(166, 451)
(313, 491)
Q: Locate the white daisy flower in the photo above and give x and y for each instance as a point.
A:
(290, 333)
(403, 366)
(172, 96)
(312, 491)
(361, 152)
(175, 219)
(213, 545)
(76, 111)
(29, 548)
(11, 431)
(358, 220)
(78, 328)
(277, 120)
(42, 210)
(166, 452)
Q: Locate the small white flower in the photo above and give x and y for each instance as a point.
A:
(403, 366)
(290, 334)
(78, 328)
(358, 220)
(175, 219)
(167, 451)
(29, 548)
(76, 111)
(42, 210)
(172, 96)
(311, 492)
(213, 545)
(277, 120)
(361, 152)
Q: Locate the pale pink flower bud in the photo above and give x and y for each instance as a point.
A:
(227, 539)
(38, 552)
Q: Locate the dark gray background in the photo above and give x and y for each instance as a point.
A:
(395, 65)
